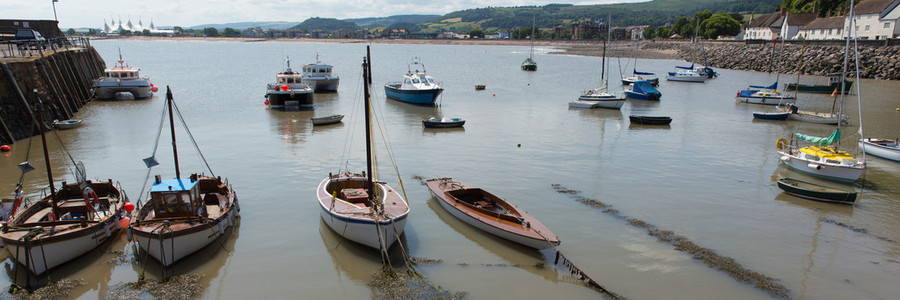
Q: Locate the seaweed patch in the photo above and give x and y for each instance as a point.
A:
(389, 284)
(179, 287)
(859, 230)
(708, 256)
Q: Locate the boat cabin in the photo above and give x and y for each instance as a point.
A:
(316, 70)
(290, 79)
(175, 198)
(827, 155)
(121, 73)
(418, 81)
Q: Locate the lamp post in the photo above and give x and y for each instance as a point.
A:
(54, 10)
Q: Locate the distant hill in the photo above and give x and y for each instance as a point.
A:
(245, 25)
(327, 24)
(388, 21)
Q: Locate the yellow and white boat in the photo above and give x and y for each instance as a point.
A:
(820, 160)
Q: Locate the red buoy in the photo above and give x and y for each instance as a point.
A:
(128, 206)
(284, 88)
(267, 102)
(154, 89)
(5, 148)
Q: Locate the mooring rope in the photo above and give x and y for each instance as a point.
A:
(194, 141)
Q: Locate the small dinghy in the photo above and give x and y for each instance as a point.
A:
(490, 213)
(443, 122)
(327, 120)
(814, 191)
(480, 87)
(650, 120)
(66, 124)
(783, 115)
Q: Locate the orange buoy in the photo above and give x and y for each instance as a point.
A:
(5, 148)
(123, 222)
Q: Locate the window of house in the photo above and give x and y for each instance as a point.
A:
(887, 25)
(867, 28)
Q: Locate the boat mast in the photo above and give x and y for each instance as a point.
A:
(172, 128)
(799, 67)
(608, 33)
(844, 71)
(40, 125)
(533, 17)
(369, 182)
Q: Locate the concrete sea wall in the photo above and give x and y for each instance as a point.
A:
(60, 79)
(879, 62)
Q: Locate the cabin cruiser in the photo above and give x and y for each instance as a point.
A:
(416, 87)
(320, 77)
(289, 91)
(122, 82)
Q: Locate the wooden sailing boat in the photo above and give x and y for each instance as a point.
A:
(358, 207)
(182, 215)
(66, 224)
(528, 64)
(810, 116)
(823, 158)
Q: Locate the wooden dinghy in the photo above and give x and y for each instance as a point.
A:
(650, 120)
(814, 191)
(327, 120)
(490, 213)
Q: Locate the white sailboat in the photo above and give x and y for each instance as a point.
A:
(600, 97)
(358, 207)
(823, 158)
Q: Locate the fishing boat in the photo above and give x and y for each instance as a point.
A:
(766, 95)
(834, 84)
(67, 223)
(650, 120)
(122, 79)
(182, 215)
(417, 87)
(332, 119)
(289, 92)
(642, 90)
(815, 191)
(320, 76)
(359, 208)
(490, 213)
(884, 148)
(600, 97)
(443, 122)
(66, 124)
(480, 87)
(528, 64)
(817, 117)
(775, 115)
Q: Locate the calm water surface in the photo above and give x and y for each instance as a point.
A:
(709, 176)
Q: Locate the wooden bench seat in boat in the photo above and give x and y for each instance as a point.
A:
(39, 216)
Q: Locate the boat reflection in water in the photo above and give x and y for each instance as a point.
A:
(291, 125)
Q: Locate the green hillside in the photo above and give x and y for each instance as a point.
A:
(388, 21)
(327, 24)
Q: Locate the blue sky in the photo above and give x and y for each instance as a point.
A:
(186, 13)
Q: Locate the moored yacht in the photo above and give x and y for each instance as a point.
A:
(417, 87)
(320, 77)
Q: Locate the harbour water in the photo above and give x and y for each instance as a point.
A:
(709, 176)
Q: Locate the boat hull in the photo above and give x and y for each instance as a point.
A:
(323, 84)
(672, 76)
(442, 124)
(884, 149)
(814, 191)
(355, 223)
(641, 96)
(291, 100)
(534, 235)
(771, 115)
(413, 96)
(593, 101)
(184, 242)
(649, 120)
(833, 172)
(107, 88)
(820, 88)
(327, 120)
(62, 250)
(752, 98)
(529, 67)
(67, 124)
(818, 118)
(629, 80)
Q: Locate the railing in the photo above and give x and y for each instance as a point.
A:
(35, 48)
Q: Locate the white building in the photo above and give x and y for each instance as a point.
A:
(875, 19)
(779, 25)
(830, 28)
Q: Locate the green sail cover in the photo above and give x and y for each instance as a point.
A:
(834, 138)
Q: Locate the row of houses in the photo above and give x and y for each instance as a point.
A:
(873, 20)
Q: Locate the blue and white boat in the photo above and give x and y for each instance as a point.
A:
(320, 77)
(416, 88)
(654, 81)
(642, 90)
(685, 75)
(766, 95)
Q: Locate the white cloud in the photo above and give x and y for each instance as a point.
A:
(91, 13)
